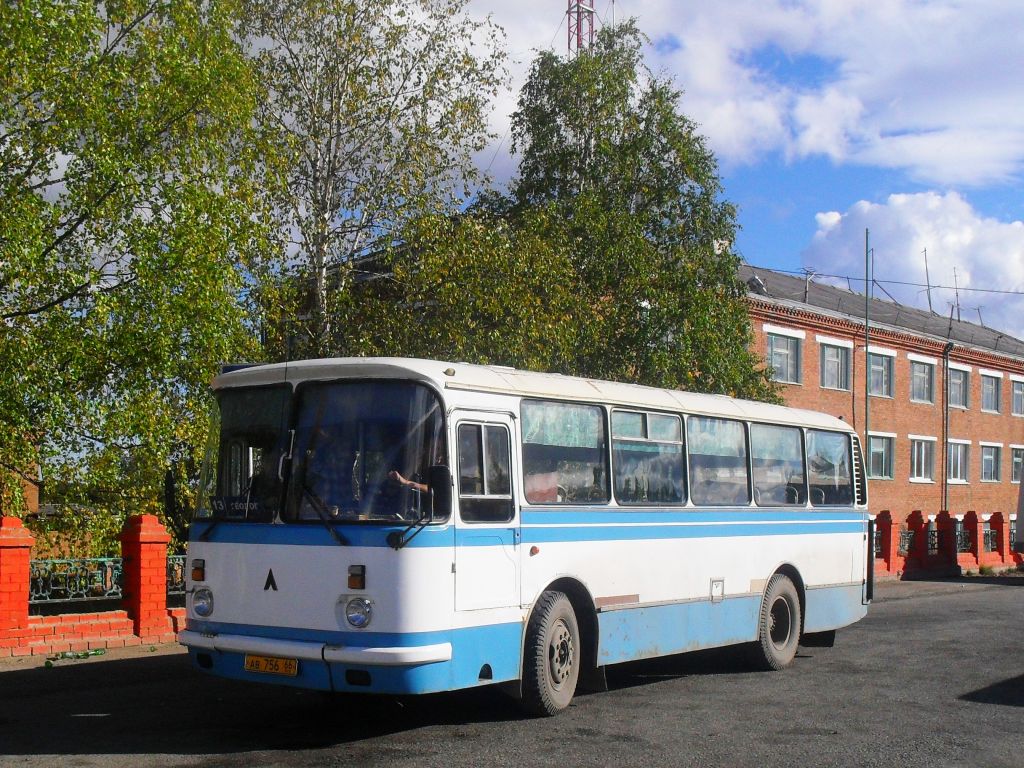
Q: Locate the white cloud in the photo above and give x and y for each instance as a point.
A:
(964, 249)
(931, 88)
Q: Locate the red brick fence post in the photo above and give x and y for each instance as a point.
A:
(144, 552)
(15, 553)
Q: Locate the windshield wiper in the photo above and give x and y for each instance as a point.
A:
(320, 506)
(398, 539)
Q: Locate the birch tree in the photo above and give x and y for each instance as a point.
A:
(376, 110)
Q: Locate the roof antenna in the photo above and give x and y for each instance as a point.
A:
(808, 276)
(928, 281)
(956, 294)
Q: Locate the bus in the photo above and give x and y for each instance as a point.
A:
(402, 526)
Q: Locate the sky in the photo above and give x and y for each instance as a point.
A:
(904, 118)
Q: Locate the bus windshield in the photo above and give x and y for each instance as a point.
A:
(359, 451)
(362, 451)
(249, 439)
(335, 451)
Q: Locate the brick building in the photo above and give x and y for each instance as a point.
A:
(945, 413)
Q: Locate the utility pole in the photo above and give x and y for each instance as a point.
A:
(867, 351)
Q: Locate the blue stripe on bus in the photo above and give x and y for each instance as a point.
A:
(315, 534)
(538, 534)
(548, 525)
(599, 515)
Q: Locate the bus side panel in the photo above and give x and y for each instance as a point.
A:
(639, 633)
(833, 607)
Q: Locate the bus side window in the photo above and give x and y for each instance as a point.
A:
(718, 461)
(485, 487)
(564, 453)
(828, 468)
(778, 464)
(647, 458)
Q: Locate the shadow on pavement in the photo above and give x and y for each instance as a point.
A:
(161, 705)
(1009, 693)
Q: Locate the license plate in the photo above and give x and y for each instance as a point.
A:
(271, 665)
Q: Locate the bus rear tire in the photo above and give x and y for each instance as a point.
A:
(551, 664)
(778, 633)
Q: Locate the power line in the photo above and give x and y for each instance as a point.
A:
(892, 282)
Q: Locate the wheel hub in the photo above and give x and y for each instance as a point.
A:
(561, 653)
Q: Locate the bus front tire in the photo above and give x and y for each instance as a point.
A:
(778, 631)
(551, 665)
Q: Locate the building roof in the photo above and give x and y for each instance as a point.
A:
(798, 291)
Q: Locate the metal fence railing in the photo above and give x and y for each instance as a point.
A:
(73, 580)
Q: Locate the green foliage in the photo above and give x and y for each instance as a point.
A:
(374, 111)
(603, 143)
(127, 217)
(472, 287)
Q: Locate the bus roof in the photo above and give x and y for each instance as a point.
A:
(513, 382)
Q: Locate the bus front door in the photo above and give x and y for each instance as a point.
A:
(487, 534)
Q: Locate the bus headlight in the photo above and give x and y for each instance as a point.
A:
(202, 602)
(359, 611)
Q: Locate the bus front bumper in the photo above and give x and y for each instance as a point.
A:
(385, 657)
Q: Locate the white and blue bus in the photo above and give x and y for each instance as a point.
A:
(409, 526)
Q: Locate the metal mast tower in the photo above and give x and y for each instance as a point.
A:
(581, 25)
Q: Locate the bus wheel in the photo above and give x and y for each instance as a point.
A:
(551, 665)
(779, 625)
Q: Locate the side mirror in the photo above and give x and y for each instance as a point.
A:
(439, 480)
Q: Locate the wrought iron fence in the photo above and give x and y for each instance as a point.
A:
(990, 539)
(963, 540)
(906, 542)
(66, 581)
(933, 541)
(176, 574)
(878, 542)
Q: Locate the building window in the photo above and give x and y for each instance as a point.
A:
(957, 463)
(835, 367)
(922, 459)
(1017, 405)
(1016, 463)
(880, 457)
(959, 386)
(990, 455)
(922, 382)
(990, 393)
(784, 358)
(880, 375)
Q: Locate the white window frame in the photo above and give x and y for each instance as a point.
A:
(994, 450)
(844, 349)
(794, 336)
(1016, 388)
(916, 365)
(889, 371)
(966, 371)
(922, 440)
(887, 439)
(1016, 462)
(964, 464)
(992, 379)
